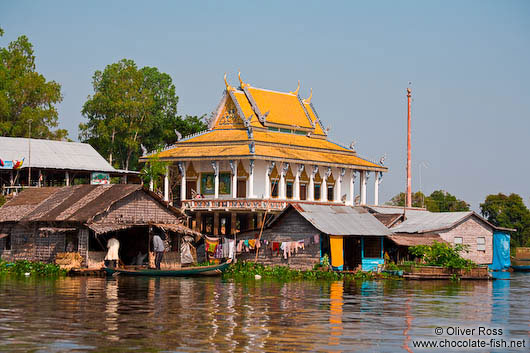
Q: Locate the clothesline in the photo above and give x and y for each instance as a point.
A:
(219, 248)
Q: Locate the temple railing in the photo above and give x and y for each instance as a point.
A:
(240, 204)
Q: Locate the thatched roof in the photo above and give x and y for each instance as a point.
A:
(78, 204)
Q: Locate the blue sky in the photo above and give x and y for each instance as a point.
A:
(468, 61)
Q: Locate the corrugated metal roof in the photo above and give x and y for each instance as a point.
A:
(342, 220)
(416, 239)
(54, 154)
(425, 221)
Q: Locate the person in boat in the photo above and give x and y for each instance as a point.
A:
(158, 248)
(112, 257)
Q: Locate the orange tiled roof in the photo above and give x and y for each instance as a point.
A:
(283, 108)
(229, 138)
(235, 143)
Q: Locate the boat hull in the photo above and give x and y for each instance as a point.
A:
(214, 270)
(521, 265)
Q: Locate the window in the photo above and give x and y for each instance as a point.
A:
(303, 192)
(458, 240)
(274, 188)
(272, 128)
(317, 191)
(299, 132)
(208, 183)
(330, 193)
(286, 130)
(289, 190)
(481, 244)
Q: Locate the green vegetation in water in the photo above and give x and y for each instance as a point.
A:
(248, 270)
(23, 267)
(442, 254)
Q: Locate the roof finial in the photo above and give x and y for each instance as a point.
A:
(241, 83)
(228, 87)
(308, 100)
(297, 89)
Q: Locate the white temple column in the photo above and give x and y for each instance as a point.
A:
(233, 167)
(151, 185)
(338, 186)
(311, 190)
(182, 170)
(282, 194)
(296, 185)
(251, 180)
(166, 185)
(363, 187)
(215, 166)
(268, 172)
(67, 178)
(350, 200)
(377, 181)
(324, 188)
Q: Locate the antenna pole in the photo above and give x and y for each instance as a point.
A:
(409, 191)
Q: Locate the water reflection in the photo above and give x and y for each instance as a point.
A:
(182, 314)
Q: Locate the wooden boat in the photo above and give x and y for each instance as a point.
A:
(521, 262)
(522, 265)
(212, 270)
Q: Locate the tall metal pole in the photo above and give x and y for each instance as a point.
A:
(29, 153)
(409, 190)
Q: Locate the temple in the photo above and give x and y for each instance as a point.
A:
(262, 150)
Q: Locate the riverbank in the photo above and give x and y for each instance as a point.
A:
(29, 268)
(249, 270)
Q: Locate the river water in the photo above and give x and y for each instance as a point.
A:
(214, 315)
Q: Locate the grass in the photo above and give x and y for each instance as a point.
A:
(23, 267)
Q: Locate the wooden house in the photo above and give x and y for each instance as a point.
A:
(420, 227)
(39, 223)
(350, 237)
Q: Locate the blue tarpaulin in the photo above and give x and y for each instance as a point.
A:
(501, 251)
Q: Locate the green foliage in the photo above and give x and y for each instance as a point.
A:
(437, 201)
(508, 212)
(131, 107)
(26, 95)
(154, 170)
(22, 267)
(442, 201)
(2, 200)
(247, 270)
(442, 254)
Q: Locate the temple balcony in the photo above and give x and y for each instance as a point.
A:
(234, 204)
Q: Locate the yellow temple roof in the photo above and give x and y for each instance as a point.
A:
(263, 124)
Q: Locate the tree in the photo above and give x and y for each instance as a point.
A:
(131, 107)
(442, 201)
(26, 95)
(508, 212)
(399, 200)
(438, 201)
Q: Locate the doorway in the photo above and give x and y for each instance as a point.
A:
(352, 253)
(241, 188)
(191, 188)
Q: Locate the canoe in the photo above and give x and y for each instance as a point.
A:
(213, 270)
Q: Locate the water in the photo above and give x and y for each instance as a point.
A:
(209, 314)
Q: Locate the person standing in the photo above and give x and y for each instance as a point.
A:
(112, 257)
(158, 247)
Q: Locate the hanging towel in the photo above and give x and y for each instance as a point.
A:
(275, 247)
(337, 254)
(252, 243)
(231, 248)
(240, 246)
(226, 248)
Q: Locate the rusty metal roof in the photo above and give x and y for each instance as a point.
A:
(342, 220)
(416, 239)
